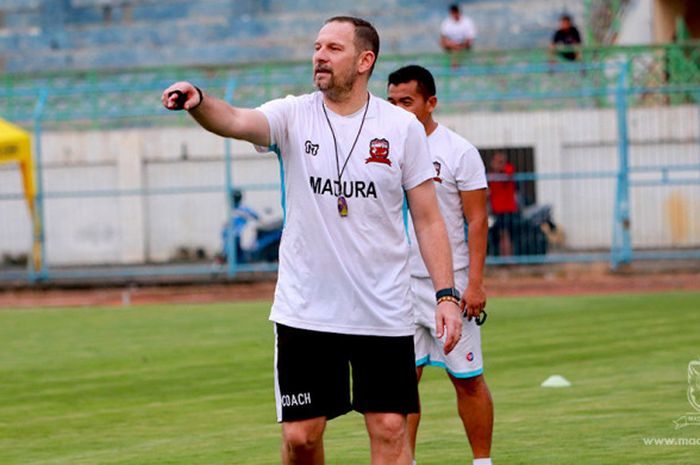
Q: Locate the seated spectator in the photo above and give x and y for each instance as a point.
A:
(457, 33)
(566, 38)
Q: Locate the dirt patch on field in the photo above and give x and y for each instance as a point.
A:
(605, 284)
(137, 295)
(515, 281)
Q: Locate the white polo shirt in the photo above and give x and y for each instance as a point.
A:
(458, 31)
(345, 275)
(457, 167)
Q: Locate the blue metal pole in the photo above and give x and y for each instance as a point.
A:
(38, 230)
(232, 255)
(622, 241)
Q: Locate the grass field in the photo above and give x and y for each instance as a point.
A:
(193, 385)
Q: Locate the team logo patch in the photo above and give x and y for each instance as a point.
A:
(311, 148)
(379, 151)
(470, 357)
(438, 167)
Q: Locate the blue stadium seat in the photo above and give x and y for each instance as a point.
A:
(47, 35)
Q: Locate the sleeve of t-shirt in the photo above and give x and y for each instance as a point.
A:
(577, 36)
(555, 38)
(472, 30)
(417, 164)
(470, 173)
(278, 114)
(443, 26)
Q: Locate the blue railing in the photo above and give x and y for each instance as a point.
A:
(567, 189)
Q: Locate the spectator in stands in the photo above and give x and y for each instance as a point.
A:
(504, 203)
(457, 33)
(565, 40)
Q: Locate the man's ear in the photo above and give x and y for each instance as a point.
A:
(431, 103)
(365, 61)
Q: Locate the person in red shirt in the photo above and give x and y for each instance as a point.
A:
(504, 202)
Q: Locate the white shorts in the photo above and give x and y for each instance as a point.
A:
(465, 360)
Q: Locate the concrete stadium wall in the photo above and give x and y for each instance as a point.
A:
(133, 229)
(84, 228)
(577, 142)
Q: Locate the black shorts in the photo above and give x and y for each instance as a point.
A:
(313, 369)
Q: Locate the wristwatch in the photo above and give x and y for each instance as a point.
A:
(447, 292)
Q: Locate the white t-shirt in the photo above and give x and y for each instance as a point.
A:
(345, 275)
(457, 167)
(458, 31)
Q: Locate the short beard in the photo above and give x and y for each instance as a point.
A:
(337, 88)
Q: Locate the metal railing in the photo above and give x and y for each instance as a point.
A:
(127, 98)
(591, 180)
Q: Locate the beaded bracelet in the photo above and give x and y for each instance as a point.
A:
(448, 298)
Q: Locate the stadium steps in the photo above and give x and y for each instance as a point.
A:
(159, 33)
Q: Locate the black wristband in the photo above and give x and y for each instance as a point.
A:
(447, 292)
(201, 98)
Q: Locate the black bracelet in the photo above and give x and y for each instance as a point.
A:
(447, 292)
(201, 98)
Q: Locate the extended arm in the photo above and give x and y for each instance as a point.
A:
(474, 208)
(437, 255)
(219, 117)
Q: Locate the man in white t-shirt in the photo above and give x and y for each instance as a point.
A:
(343, 298)
(457, 33)
(460, 183)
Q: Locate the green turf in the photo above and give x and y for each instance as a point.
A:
(193, 385)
